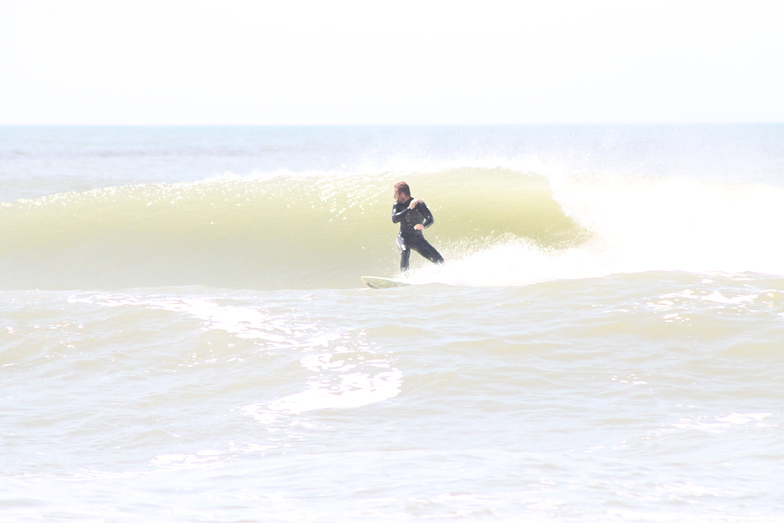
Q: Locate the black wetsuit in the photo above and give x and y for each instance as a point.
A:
(410, 238)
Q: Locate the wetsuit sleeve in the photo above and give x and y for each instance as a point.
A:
(398, 215)
(426, 214)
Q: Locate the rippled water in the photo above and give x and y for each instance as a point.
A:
(594, 361)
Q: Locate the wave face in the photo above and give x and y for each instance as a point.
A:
(496, 227)
(286, 231)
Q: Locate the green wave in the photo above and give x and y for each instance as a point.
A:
(282, 232)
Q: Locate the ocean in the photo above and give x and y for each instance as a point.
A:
(184, 336)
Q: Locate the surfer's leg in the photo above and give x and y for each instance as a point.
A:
(405, 256)
(405, 253)
(428, 251)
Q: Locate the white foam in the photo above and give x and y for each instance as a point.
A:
(636, 224)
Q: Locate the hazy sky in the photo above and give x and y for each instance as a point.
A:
(390, 62)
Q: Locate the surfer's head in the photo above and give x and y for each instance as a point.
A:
(402, 192)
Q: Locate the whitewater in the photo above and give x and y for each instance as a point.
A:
(184, 335)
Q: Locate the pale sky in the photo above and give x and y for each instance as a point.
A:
(390, 62)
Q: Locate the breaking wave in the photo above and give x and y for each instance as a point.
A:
(495, 226)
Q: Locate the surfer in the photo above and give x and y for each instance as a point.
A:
(413, 216)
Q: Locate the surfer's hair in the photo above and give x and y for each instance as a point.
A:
(402, 187)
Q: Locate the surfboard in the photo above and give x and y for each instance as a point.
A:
(382, 283)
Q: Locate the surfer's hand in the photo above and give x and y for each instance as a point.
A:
(419, 227)
(413, 204)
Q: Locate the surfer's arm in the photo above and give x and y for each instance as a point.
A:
(397, 216)
(426, 214)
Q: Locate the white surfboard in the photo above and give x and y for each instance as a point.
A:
(382, 283)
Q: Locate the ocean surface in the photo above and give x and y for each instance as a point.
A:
(184, 336)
